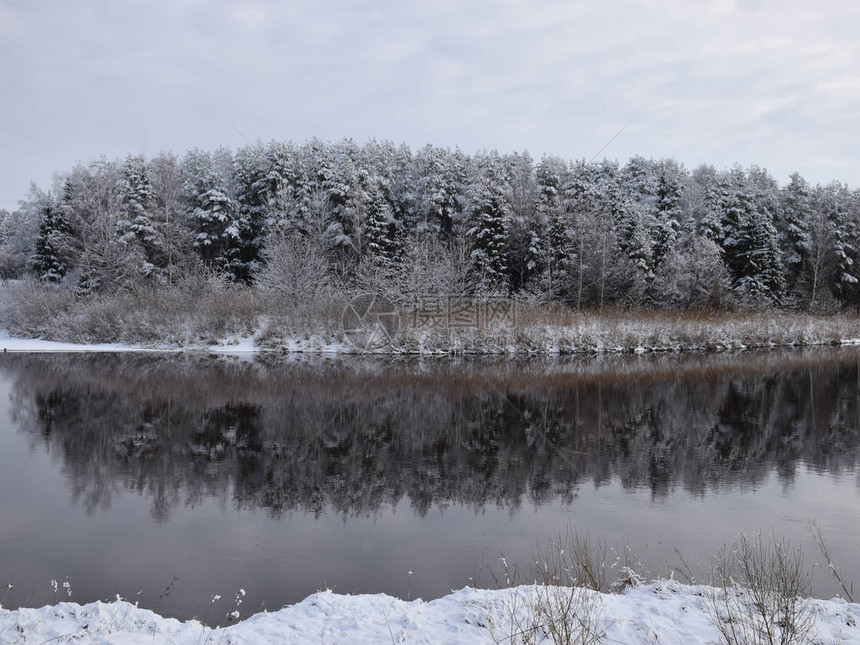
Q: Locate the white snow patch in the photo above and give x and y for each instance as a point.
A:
(235, 345)
(663, 611)
(8, 344)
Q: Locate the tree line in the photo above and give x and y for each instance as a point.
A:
(382, 217)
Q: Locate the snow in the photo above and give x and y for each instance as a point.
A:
(238, 345)
(231, 346)
(9, 344)
(663, 611)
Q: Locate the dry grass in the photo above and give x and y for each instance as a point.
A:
(195, 310)
(702, 329)
(561, 601)
(846, 587)
(759, 594)
(204, 309)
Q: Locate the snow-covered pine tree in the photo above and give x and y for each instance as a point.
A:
(281, 181)
(379, 245)
(750, 242)
(640, 178)
(793, 225)
(135, 222)
(241, 257)
(713, 190)
(736, 207)
(552, 248)
(49, 262)
(763, 279)
(667, 220)
(438, 177)
(488, 225)
(309, 212)
(135, 226)
(338, 180)
(522, 218)
(395, 179)
(835, 200)
(632, 220)
(768, 255)
(20, 230)
(398, 172)
(209, 207)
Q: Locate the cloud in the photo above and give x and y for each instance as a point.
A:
(753, 82)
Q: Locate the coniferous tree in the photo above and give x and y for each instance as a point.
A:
(243, 246)
(766, 253)
(437, 195)
(631, 214)
(488, 219)
(379, 243)
(281, 182)
(762, 278)
(552, 248)
(338, 179)
(49, 262)
(640, 178)
(210, 209)
(835, 201)
(750, 242)
(310, 210)
(665, 228)
(136, 226)
(521, 221)
(715, 196)
(793, 224)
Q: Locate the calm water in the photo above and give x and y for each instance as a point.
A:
(168, 479)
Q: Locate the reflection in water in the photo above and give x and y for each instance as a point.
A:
(358, 436)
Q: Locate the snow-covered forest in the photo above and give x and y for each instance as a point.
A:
(305, 220)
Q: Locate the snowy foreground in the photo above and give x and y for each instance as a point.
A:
(659, 612)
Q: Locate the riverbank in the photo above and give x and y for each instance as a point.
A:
(578, 334)
(663, 611)
(213, 316)
(570, 333)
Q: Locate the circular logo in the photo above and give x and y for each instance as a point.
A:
(369, 322)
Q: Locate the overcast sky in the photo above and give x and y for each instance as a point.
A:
(776, 84)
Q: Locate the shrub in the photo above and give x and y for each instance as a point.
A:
(759, 594)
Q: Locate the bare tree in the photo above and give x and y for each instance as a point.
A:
(296, 269)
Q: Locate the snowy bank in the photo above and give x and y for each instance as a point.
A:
(245, 345)
(558, 342)
(530, 332)
(663, 611)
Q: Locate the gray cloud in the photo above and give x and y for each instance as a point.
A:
(771, 83)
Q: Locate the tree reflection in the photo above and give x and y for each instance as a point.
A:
(356, 436)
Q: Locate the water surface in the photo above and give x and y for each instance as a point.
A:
(167, 479)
